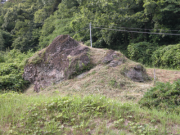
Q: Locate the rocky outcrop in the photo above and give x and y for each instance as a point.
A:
(113, 58)
(65, 58)
(136, 73)
(62, 59)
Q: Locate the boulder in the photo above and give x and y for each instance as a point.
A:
(113, 58)
(137, 73)
(62, 59)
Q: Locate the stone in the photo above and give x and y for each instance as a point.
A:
(62, 59)
(115, 63)
(113, 58)
(82, 75)
(136, 74)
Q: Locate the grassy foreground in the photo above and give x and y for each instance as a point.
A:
(93, 114)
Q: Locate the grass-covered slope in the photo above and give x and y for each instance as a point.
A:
(21, 114)
(99, 101)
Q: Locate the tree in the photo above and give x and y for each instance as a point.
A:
(1, 41)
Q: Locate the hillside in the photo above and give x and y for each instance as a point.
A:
(52, 82)
(103, 99)
(92, 69)
(103, 76)
(149, 37)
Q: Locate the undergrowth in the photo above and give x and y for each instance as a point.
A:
(164, 96)
(21, 114)
(11, 69)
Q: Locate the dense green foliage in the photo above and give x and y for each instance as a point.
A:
(163, 96)
(153, 55)
(128, 13)
(142, 52)
(12, 66)
(167, 56)
(21, 22)
(33, 24)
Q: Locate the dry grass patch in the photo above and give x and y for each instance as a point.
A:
(102, 79)
(164, 75)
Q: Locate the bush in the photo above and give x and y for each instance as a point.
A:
(167, 56)
(164, 96)
(141, 52)
(11, 78)
(11, 69)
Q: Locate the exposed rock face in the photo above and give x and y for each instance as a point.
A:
(113, 58)
(137, 74)
(63, 58)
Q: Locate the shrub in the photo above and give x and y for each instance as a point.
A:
(141, 52)
(163, 96)
(167, 56)
(11, 69)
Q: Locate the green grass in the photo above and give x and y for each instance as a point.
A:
(93, 114)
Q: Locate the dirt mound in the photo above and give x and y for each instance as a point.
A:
(65, 58)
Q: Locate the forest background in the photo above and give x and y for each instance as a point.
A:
(27, 26)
